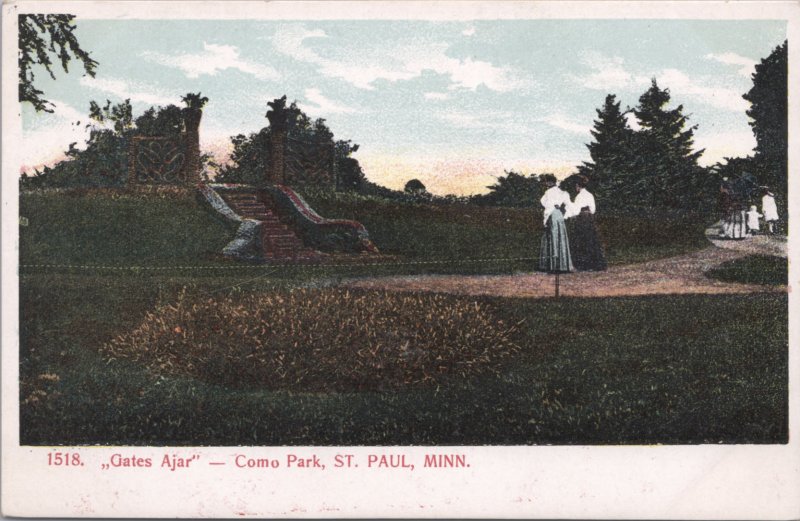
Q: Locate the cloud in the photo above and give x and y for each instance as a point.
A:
(746, 65)
(511, 122)
(396, 63)
(633, 122)
(289, 40)
(564, 123)
(474, 120)
(608, 74)
(322, 105)
(466, 74)
(124, 90)
(469, 31)
(466, 120)
(436, 96)
(213, 59)
(46, 139)
(720, 145)
(681, 87)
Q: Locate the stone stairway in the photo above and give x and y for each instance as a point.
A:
(278, 240)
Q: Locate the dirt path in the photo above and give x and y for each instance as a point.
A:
(675, 275)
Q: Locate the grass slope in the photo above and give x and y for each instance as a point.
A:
(107, 228)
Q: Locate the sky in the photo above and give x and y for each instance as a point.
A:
(453, 104)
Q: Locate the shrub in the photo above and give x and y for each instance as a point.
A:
(319, 340)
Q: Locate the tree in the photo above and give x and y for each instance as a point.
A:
(769, 120)
(512, 189)
(312, 138)
(104, 160)
(667, 173)
(414, 186)
(40, 36)
(611, 151)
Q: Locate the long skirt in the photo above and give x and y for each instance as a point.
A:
(554, 254)
(733, 224)
(585, 245)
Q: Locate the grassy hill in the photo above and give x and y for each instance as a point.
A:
(115, 228)
(175, 229)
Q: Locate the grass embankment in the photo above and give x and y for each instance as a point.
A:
(753, 269)
(628, 370)
(466, 232)
(109, 229)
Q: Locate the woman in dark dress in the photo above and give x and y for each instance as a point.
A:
(585, 245)
(733, 212)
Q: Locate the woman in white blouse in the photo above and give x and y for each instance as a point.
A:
(554, 255)
(586, 248)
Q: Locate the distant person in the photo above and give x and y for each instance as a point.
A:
(732, 209)
(554, 255)
(752, 220)
(586, 248)
(770, 209)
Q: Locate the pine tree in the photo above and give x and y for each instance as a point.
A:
(668, 174)
(768, 111)
(611, 152)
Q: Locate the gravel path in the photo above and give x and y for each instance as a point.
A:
(758, 244)
(675, 275)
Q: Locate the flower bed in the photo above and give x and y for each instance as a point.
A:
(320, 340)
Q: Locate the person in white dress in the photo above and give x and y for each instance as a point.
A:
(770, 209)
(752, 220)
(554, 255)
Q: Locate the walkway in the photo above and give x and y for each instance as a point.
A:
(683, 274)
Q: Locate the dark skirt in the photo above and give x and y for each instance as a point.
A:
(585, 245)
(733, 224)
(554, 256)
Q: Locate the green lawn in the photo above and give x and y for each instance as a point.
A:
(688, 369)
(753, 269)
(628, 370)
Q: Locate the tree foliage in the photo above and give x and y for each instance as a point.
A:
(512, 189)
(251, 155)
(769, 120)
(42, 39)
(414, 186)
(653, 167)
(103, 161)
(668, 173)
(612, 151)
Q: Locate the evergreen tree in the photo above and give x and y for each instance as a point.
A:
(666, 164)
(611, 152)
(769, 98)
